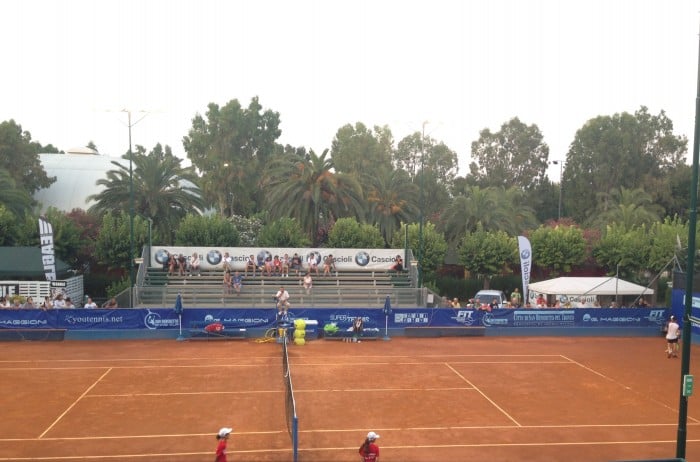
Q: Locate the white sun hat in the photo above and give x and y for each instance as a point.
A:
(225, 431)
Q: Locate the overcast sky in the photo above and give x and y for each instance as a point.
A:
(71, 66)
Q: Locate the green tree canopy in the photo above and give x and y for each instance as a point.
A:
(350, 234)
(308, 190)
(515, 156)
(624, 251)
(15, 199)
(558, 249)
(206, 231)
(283, 232)
(230, 148)
(434, 246)
(358, 150)
(19, 156)
(163, 190)
(611, 152)
(392, 200)
(486, 254)
(628, 208)
(112, 247)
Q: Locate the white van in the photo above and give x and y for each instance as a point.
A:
(485, 297)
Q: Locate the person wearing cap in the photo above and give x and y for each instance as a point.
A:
(673, 332)
(369, 451)
(222, 437)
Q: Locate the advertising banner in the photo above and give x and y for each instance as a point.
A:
(345, 259)
(157, 319)
(525, 263)
(48, 257)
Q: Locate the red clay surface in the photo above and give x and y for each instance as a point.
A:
(446, 399)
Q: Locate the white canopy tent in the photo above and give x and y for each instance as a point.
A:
(599, 288)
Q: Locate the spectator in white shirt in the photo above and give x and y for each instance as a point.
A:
(90, 304)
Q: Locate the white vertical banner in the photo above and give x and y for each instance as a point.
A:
(525, 263)
(48, 258)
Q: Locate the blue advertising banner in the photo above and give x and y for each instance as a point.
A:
(152, 319)
(678, 307)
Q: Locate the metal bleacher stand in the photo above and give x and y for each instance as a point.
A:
(362, 289)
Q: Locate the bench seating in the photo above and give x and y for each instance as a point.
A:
(346, 335)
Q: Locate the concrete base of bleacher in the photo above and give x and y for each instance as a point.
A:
(477, 331)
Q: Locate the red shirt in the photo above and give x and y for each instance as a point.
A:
(221, 451)
(370, 455)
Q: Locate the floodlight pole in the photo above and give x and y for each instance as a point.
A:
(689, 273)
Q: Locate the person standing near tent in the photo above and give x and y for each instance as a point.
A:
(516, 299)
(673, 333)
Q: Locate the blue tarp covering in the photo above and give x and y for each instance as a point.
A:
(167, 318)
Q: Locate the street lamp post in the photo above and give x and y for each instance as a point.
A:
(422, 206)
(132, 272)
(131, 219)
(561, 170)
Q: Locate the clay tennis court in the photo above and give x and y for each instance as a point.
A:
(442, 399)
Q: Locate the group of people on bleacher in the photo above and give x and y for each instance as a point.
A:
(183, 265)
(280, 266)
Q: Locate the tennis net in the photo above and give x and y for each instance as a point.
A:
(290, 405)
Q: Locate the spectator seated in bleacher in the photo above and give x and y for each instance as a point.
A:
(296, 263)
(277, 265)
(181, 265)
(195, 263)
(269, 266)
(250, 265)
(398, 264)
(260, 263)
(312, 263)
(328, 265)
(285, 263)
(172, 264)
(307, 283)
(228, 262)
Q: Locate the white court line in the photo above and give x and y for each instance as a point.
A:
(150, 456)
(583, 366)
(186, 393)
(75, 402)
(484, 395)
(218, 366)
(207, 359)
(349, 448)
(503, 445)
(181, 366)
(347, 430)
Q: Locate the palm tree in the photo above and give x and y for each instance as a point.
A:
(628, 208)
(476, 207)
(392, 199)
(306, 188)
(163, 190)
